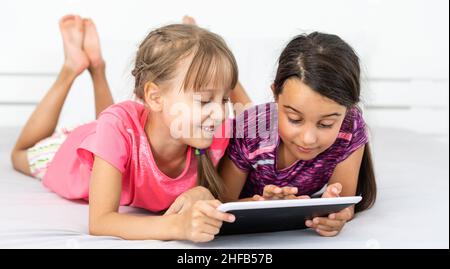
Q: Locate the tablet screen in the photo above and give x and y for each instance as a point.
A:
(280, 215)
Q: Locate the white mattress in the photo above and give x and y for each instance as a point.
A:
(412, 210)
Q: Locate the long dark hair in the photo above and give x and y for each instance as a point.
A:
(329, 66)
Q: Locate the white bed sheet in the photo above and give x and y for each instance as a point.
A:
(412, 210)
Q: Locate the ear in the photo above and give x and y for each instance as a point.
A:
(153, 96)
(273, 91)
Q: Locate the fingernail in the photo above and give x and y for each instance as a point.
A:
(294, 189)
(232, 218)
(308, 223)
(335, 190)
(316, 221)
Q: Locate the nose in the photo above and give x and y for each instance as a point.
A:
(309, 136)
(218, 115)
(216, 112)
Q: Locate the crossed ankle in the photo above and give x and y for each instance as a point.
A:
(97, 67)
(69, 71)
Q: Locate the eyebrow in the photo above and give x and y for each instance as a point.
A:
(331, 115)
(323, 116)
(211, 91)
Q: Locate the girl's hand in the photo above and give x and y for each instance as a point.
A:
(333, 224)
(188, 198)
(272, 192)
(332, 191)
(202, 221)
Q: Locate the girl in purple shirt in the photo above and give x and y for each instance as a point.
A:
(312, 136)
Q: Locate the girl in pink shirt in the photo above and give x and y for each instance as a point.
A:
(135, 153)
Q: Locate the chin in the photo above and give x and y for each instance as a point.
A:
(306, 156)
(200, 143)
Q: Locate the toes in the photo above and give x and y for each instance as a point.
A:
(65, 18)
(65, 21)
(185, 19)
(79, 23)
(189, 20)
(87, 21)
(86, 25)
(89, 24)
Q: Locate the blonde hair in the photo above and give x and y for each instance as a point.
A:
(157, 60)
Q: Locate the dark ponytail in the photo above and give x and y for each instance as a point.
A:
(329, 66)
(367, 186)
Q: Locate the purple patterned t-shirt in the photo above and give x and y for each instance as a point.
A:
(255, 143)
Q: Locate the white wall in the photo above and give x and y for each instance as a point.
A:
(403, 44)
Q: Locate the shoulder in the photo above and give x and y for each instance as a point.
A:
(257, 116)
(352, 135)
(125, 113)
(353, 124)
(255, 130)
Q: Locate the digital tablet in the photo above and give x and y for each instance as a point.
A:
(280, 215)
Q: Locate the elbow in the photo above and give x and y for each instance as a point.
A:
(102, 225)
(94, 228)
(14, 158)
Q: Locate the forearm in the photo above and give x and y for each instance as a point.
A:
(133, 227)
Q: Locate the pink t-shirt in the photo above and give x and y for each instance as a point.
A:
(118, 137)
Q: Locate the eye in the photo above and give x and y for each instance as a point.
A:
(226, 100)
(321, 125)
(294, 121)
(204, 102)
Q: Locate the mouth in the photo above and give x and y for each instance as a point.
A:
(209, 129)
(305, 150)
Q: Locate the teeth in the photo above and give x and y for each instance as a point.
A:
(208, 129)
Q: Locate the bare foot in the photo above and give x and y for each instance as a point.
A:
(189, 20)
(71, 27)
(91, 45)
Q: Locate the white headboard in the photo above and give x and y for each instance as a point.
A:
(403, 45)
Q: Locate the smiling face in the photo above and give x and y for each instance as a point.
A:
(308, 123)
(194, 115)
